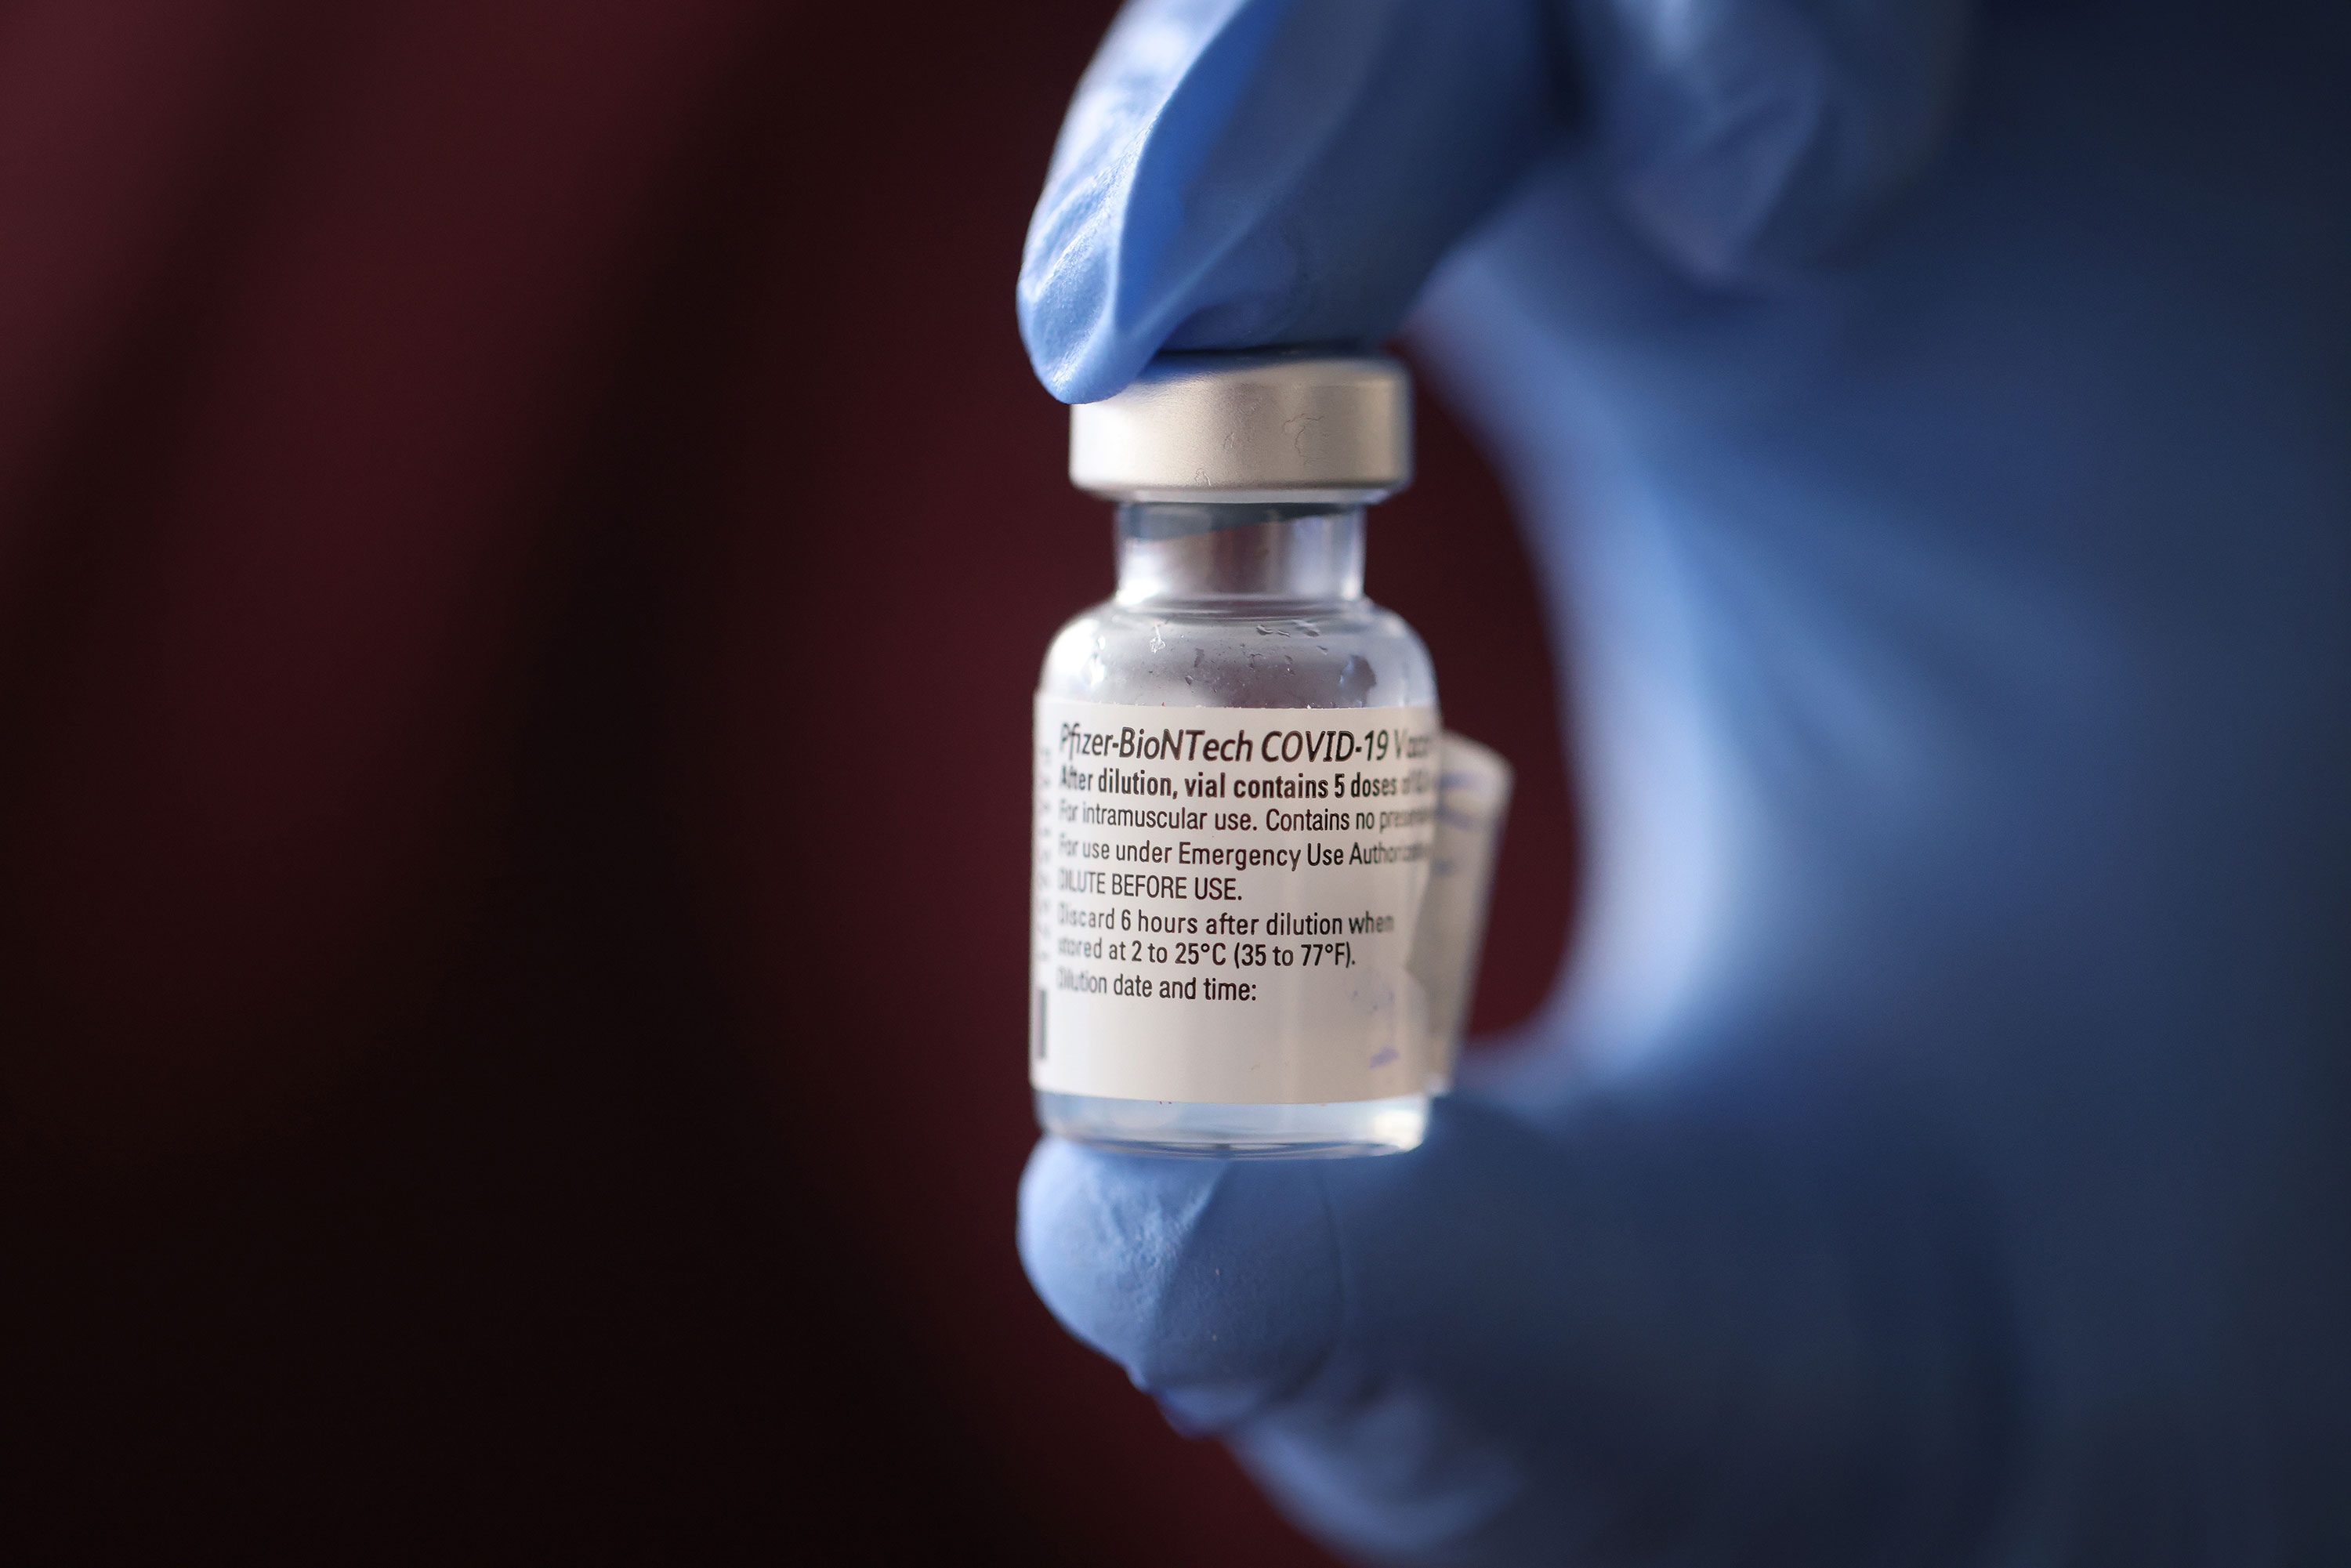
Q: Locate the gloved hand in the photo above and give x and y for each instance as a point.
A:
(1931, 420)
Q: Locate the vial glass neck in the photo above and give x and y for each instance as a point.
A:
(1203, 555)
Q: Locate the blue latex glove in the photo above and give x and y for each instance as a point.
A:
(1934, 424)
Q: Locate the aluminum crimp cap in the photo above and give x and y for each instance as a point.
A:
(1285, 425)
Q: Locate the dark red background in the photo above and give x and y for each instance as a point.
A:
(508, 512)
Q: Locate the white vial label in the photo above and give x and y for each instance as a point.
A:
(1226, 901)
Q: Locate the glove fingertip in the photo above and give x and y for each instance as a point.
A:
(1215, 1283)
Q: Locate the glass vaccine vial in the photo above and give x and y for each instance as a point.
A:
(1238, 768)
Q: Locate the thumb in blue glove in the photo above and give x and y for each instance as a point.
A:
(1605, 1340)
